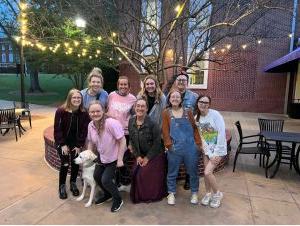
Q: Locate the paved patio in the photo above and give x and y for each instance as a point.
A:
(29, 187)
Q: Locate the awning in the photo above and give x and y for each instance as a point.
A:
(284, 64)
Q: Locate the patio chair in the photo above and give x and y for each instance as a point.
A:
(276, 125)
(258, 146)
(23, 110)
(8, 120)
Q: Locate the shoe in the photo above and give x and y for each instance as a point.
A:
(125, 188)
(216, 200)
(171, 199)
(194, 198)
(103, 199)
(62, 192)
(117, 204)
(206, 199)
(74, 189)
(186, 185)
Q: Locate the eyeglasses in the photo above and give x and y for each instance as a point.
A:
(181, 80)
(203, 102)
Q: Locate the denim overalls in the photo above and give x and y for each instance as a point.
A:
(183, 149)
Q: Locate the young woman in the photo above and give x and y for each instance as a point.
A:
(148, 177)
(95, 89)
(182, 142)
(120, 107)
(212, 127)
(106, 135)
(70, 131)
(155, 98)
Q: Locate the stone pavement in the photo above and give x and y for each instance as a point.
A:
(29, 187)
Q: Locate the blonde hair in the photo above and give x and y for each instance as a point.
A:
(95, 72)
(67, 106)
(158, 92)
(100, 125)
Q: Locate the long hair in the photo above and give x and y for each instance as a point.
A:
(198, 113)
(158, 92)
(100, 125)
(173, 90)
(67, 105)
(95, 72)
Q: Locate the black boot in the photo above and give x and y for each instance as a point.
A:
(74, 189)
(62, 192)
(187, 182)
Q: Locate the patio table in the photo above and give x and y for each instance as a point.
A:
(287, 137)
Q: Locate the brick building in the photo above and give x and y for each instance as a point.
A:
(239, 83)
(8, 57)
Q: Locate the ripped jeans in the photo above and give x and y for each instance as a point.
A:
(65, 162)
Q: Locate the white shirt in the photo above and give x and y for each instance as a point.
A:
(212, 128)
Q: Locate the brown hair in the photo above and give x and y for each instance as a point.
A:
(100, 125)
(123, 77)
(158, 92)
(95, 72)
(173, 90)
(67, 105)
(198, 113)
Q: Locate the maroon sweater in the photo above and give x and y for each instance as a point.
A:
(62, 126)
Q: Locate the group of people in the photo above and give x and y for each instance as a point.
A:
(159, 132)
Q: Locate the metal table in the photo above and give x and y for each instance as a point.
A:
(288, 137)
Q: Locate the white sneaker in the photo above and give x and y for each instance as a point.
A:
(171, 199)
(194, 198)
(216, 200)
(125, 188)
(206, 199)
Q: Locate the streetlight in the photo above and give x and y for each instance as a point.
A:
(81, 23)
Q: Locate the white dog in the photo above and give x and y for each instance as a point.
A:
(86, 158)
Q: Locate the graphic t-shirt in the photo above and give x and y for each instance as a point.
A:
(212, 129)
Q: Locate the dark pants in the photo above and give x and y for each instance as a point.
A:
(104, 175)
(123, 174)
(65, 161)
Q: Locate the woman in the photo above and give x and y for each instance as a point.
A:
(182, 142)
(95, 90)
(120, 107)
(155, 98)
(212, 127)
(148, 178)
(70, 130)
(106, 135)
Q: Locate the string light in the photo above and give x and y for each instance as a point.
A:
(114, 34)
(228, 46)
(177, 8)
(76, 43)
(290, 35)
(222, 50)
(244, 46)
(259, 41)
(98, 51)
(99, 38)
(120, 58)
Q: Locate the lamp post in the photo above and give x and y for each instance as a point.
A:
(23, 28)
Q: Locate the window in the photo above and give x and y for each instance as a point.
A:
(151, 14)
(3, 58)
(3, 47)
(197, 39)
(10, 58)
(198, 75)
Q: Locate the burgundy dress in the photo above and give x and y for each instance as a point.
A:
(149, 182)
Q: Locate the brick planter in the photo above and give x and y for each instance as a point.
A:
(53, 159)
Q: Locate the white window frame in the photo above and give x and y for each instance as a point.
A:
(191, 73)
(197, 66)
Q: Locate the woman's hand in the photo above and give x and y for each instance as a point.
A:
(120, 163)
(77, 151)
(139, 161)
(145, 161)
(215, 160)
(65, 150)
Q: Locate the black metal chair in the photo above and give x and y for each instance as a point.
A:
(25, 110)
(245, 146)
(276, 125)
(9, 120)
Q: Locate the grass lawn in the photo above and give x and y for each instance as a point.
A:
(55, 89)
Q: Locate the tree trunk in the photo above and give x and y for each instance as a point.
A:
(34, 82)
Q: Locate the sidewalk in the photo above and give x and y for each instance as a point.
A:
(29, 187)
